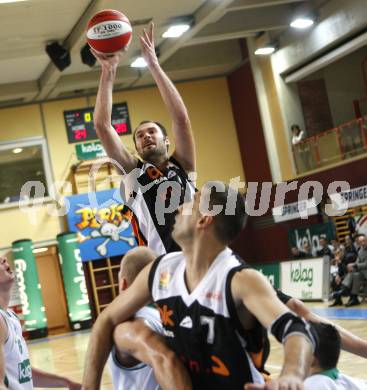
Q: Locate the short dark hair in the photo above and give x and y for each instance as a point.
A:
(163, 129)
(328, 346)
(295, 127)
(227, 223)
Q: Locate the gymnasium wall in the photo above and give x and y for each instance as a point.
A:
(209, 105)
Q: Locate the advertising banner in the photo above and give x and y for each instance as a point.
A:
(28, 286)
(306, 279)
(102, 224)
(311, 234)
(295, 210)
(271, 271)
(74, 280)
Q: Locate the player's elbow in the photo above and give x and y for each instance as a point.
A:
(101, 125)
(165, 361)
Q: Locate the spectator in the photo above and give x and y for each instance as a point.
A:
(296, 253)
(325, 249)
(336, 245)
(356, 273)
(301, 148)
(350, 250)
(308, 250)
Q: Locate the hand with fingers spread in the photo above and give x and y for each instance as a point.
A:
(147, 46)
(286, 382)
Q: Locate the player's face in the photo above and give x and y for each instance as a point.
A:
(150, 141)
(6, 274)
(186, 220)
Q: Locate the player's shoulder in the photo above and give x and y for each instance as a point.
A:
(151, 318)
(318, 381)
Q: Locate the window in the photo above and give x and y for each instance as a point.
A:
(22, 161)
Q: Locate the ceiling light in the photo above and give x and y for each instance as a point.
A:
(40, 250)
(176, 31)
(302, 23)
(139, 63)
(17, 150)
(9, 1)
(265, 51)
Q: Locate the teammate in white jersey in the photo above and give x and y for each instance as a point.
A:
(16, 372)
(324, 374)
(140, 358)
(204, 238)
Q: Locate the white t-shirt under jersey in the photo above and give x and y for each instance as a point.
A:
(141, 376)
(342, 382)
(18, 371)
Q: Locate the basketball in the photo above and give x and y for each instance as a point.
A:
(109, 31)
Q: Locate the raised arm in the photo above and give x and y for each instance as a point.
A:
(349, 341)
(100, 341)
(181, 126)
(138, 340)
(103, 109)
(253, 290)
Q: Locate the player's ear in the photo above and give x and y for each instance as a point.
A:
(123, 284)
(205, 221)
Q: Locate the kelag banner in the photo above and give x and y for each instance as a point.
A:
(74, 280)
(102, 224)
(297, 237)
(29, 286)
(271, 271)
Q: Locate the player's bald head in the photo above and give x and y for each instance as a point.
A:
(133, 262)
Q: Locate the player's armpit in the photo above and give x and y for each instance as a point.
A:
(252, 289)
(137, 339)
(3, 335)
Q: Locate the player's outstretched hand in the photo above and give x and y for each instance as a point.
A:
(282, 383)
(108, 60)
(147, 46)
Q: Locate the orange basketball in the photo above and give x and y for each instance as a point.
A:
(109, 31)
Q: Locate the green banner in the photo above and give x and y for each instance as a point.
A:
(271, 271)
(89, 150)
(74, 280)
(29, 286)
(311, 234)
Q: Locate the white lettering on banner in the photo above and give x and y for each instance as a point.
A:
(80, 279)
(304, 279)
(20, 268)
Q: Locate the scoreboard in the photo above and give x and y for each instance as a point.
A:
(79, 123)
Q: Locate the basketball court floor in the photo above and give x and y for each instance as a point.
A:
(64, 354)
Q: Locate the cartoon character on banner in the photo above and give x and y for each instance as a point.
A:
(107, 223)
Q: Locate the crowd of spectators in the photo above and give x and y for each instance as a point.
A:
(348, 265)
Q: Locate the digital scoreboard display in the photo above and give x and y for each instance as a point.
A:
(79, 123)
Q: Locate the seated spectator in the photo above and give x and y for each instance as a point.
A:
(336, 245)
(324, 374)
(298, 135)
(356, 273)
(325, 249)
(350, 250)
(308, 250)
(297, 254)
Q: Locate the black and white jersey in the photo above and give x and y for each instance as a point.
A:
(202, 327)
(155, 194)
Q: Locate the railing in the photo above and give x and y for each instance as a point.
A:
(341, 143)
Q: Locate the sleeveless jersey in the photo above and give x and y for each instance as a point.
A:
(342, 382)
(154, 196)
(140, 376)
(202, 327)
(18, 371)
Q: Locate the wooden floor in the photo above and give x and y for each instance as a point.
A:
(65, 354)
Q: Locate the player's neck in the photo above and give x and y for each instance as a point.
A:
(4, 298)
(160, 161)
(199, 257)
